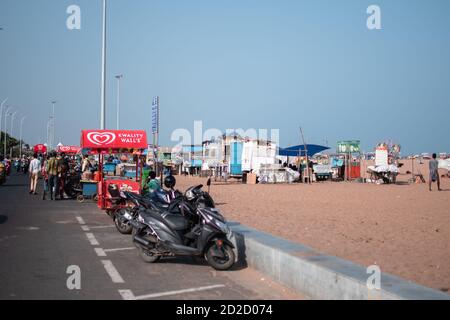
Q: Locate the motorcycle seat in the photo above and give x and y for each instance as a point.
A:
(174, 221)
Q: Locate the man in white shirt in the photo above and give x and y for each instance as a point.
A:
(35, 167)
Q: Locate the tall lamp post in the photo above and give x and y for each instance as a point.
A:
(20, 141)
(1, 113)
(118, 77)
(7, 113)
(48, 131)
(52, 126)
(13, 116)
(103, 93)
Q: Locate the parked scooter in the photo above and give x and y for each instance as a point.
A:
(159, 200)
(171, 235)
(72, 184)
(190, 229)
(129, 202)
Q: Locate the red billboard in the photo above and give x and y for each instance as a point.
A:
(68, 149)
(113, 139)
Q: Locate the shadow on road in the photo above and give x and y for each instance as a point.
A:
(3, 219)
(240, 264)
(6, 186)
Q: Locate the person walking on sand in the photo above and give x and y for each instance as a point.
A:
(434, 173)
(34, 168)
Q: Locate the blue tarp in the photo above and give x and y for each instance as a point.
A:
(295, 151)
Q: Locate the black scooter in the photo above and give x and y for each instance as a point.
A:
(197, 231)
(159, 200)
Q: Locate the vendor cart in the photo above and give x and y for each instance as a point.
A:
(115, 142)
(383, 174)
(88, 190)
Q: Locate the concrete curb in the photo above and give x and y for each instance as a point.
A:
(317, 275)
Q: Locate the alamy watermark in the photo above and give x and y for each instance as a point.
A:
(373, 282)
(184, 137)
(73, 22)
(374, 19)
(74, 280)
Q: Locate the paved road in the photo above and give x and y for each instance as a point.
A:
(39, 240)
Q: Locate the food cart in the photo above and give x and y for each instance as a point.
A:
(118, 142)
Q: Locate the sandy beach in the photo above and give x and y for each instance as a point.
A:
(403, 228)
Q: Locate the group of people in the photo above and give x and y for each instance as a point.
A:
(6, 165)
(52, 168)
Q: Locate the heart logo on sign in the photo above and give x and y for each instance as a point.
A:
(101, 139)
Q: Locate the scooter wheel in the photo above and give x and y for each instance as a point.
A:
(122, 227)
(217, 262)
(80, 199)
(147, 256)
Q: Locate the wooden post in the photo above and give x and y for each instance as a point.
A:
(306, 155)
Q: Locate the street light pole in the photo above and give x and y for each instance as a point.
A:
(118, 77)
(20, 141)
(103, 93)
(11, 133)
(52, 133)
(6, 129)
(1, 113)
(48, 132)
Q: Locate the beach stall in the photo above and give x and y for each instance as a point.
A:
(192, 159)
(256, 153)
(306, 151)
(351, 151)
(115, 142)
(445, 164)
(385, 169)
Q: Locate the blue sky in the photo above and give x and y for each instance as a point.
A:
(235, 64)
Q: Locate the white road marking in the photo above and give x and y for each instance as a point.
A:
(119, 249)
(64, 222)
(92, 239)
(28, 228)
(128, 294)
(80, 220)
(112, 271)
(100, 252)
(85, 228)
(102, 227)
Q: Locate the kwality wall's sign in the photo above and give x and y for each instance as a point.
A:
(114, 139)
(155, 115)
